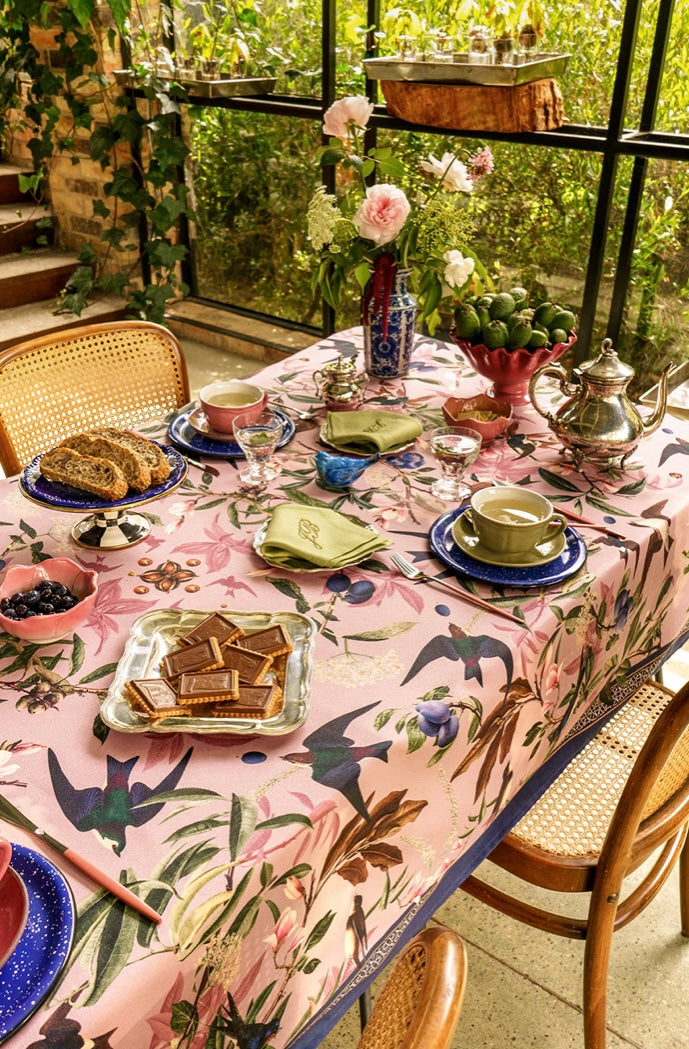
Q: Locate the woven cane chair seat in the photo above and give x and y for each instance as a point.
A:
(622, 801)
(420, 1004)
(120, 374)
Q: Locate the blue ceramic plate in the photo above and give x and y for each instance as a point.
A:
(40, 956)
(64, 497)
(444, 546)
(191, 440)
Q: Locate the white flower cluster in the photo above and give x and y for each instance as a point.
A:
(322, 218)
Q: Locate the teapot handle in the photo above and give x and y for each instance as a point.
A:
(557, 372)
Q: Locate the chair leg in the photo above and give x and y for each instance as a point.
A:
(683, 870)
(364, 1008)
(601, 926)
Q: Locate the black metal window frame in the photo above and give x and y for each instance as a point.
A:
(610, 142)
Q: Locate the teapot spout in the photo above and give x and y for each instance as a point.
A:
(653, 421)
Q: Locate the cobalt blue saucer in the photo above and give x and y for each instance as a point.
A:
(193, 441)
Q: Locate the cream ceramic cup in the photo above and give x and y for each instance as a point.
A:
(222, 402)
(511, 519)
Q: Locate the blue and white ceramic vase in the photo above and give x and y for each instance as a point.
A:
(389, 333)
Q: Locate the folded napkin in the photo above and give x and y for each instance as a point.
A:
(371, 430)
(306, 537)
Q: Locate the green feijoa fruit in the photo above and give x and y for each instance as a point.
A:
(520, 296)
(558, 335)
(544, 314)
(502, 306)
(563, 319)
(538, 339)
(467, 324)
(495, 334)
(483, 315)
(484, 301)
(520, 335)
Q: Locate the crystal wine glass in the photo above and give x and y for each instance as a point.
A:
(258, 437)
(455, 448)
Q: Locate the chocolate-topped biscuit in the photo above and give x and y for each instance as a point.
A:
(211, 686)
(250, 666)
(204, 655)
(154, 698)
(254, 701)
(271, 641)
(215, 625)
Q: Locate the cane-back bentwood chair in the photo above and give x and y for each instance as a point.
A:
(421, 1001)
(117, 374)
(622, 800)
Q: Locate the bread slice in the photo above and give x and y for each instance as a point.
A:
(101, 477)
(135, 470)
(151, 453)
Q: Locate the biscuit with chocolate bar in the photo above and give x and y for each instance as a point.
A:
(271, 641)
(215, 625)
(255, 701)
(251, 667)
(154, 698)
(210, 686)
(204, 655)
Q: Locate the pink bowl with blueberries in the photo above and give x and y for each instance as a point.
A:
(46, 602)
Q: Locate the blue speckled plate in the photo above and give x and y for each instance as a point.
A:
(191, 440)
(43, 949)
(64, 497)
(444, 546)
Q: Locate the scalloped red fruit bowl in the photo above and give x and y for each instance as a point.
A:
(510, 370)
(46, 628)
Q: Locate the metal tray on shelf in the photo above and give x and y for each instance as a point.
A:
(521, 70)
(225, 86)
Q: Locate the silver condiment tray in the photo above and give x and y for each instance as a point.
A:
(155, 633)
(521, 70)
(224, 86)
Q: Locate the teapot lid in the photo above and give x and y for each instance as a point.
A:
(607, 366)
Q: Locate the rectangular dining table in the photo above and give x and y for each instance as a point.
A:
(289, 863)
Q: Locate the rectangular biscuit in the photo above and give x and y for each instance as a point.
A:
(154, 698)
(211, 686)
(271, 641)
(215, 625)
(251, 667)
(255, 701)
(203, 655)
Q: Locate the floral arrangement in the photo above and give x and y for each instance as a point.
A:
(412, 219)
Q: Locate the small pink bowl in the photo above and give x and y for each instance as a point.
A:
(462, 411)
(44, 629)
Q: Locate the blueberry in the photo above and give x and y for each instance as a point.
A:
(5, 603)
(69, 601)
(337, 583)
(10, 614)
(46, 608)
(32, 597)
(60, 589)
(360, 592)
(21, 610)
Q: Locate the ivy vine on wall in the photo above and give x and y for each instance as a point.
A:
(136, 138)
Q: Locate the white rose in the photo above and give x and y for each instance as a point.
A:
(450, 171)
(458, 269)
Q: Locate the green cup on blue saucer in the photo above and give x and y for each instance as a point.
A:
(512, 522)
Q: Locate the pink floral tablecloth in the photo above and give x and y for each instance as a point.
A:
(287, 868)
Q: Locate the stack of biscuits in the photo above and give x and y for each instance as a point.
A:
(107, 463)
(217, 671)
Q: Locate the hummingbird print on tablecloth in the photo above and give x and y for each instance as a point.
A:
(335, 759)
(111, 809)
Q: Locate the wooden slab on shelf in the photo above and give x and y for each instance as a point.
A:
(536, 106)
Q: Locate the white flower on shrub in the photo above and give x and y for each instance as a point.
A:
(452, 173)
(458, 269)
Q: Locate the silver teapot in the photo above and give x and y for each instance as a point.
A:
(340, 384)
(599, 423)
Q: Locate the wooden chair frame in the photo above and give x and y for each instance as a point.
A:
(651, 814)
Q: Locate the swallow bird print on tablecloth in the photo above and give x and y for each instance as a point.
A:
(335, 759)
(470, 650)
(356, 943)
(111, 809)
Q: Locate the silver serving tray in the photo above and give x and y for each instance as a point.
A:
(155, 633)
(521, 70)
(225, 86)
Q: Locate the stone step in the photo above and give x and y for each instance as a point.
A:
(22, 224)
(33, 319)
(10, 192)
(34, 275)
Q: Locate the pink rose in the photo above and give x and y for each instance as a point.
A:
(353, 110)
(382, 214)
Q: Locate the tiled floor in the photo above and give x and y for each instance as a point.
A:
(524, 986)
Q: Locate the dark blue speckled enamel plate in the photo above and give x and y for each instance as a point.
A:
(562, 567)
(193, 441)
(64, 497)
(43, 948)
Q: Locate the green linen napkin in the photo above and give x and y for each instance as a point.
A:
(305, 537)
(371, 430)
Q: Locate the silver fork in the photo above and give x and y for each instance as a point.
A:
(416, 574)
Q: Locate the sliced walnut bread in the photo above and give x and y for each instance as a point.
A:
(136, 471)
(101, 477)
(151, 453)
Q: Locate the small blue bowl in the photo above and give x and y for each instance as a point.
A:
(336, 472)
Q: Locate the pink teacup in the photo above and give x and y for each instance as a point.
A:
(222, 402)
(14, 904)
